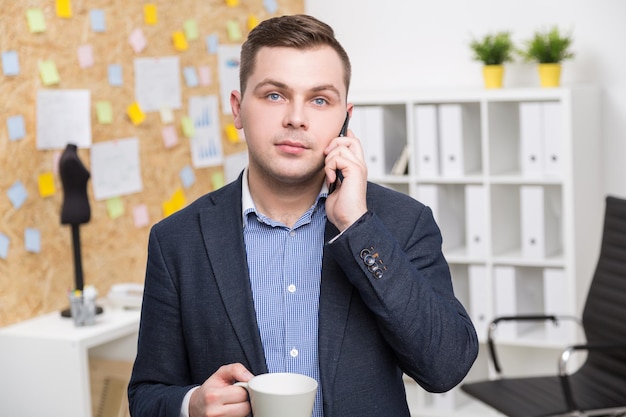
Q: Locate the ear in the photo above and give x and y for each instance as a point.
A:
(235, 106)
(350, 107)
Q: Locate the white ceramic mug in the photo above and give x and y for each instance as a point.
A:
(281, 395)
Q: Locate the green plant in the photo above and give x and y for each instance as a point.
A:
(548, 47)
(493, 49)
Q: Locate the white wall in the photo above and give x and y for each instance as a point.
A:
(395, 44)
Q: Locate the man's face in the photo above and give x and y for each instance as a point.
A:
(293, 106)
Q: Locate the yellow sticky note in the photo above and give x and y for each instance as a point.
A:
(180, 41)
(217, 179)
(64, 8)
(191, 29)
(150, 16)
(115, 207)
(135, 113)
(48, 72)
(233, 30)
(104, 111)
(36, 21)
(187, 126)
(232, 3)
(231, 133)
(46, 185)
(253, 21)
(175, 203)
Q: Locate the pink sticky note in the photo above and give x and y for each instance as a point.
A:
(170, 137)
(140, 215)
(85, 56)
(137, 40)
(204, 75)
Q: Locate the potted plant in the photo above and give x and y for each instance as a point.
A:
(493, 50)
(548, 49)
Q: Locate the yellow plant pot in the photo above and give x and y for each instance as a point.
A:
(550, 75)
(493, 76)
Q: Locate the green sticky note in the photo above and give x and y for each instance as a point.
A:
(191, 29)
(115, 207)
(104, 112)
(187, 125)
(217, 179)
(48, 72)
(234, 31)
(36, 21)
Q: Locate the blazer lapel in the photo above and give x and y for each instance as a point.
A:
(230, 269)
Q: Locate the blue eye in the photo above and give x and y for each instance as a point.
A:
(320, 101)
(273, 96)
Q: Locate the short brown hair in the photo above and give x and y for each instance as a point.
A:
(293, 31)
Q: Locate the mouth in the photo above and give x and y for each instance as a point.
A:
(291, 147)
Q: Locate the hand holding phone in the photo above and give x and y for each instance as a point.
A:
(342, 132)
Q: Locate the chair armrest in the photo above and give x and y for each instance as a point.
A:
(532, 317)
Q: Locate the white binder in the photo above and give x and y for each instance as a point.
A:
(553, 139)
(447, 206)
(367, 124)
(476, 220)
(540, 225)
(505, 299)
(426, 140)
(459, 135)
(556, 302)
(531, 139)
(480, 308)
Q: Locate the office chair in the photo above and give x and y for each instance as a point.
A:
(598, 387)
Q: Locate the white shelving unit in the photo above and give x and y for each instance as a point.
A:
(514, 179)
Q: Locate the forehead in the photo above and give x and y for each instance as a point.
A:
(299, 67)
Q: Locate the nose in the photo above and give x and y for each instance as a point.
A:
(295, 117)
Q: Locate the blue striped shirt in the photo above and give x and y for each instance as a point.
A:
(285, 267)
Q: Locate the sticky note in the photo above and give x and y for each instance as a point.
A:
(97, 20)
(190, 27)
(64, 8)
(271, 6)
(253, 21)
(187, 125)
(167, 115)
(137, 40)
(175, 203)
(232, 3)
(15, 125)
(4, 246)
(115, 75)
(140, 216)
(231, 133)
(104, 112)
(180, 42)
(187, 176)
(191, 76)
(85, 56)
(217, 179)
(36, 21)
(48, 72)
(233, 30)
(115, 207)
(10, 63)
(135, 113)
(170, 137)
(32, 240)
(150, 16)
(212, 42)
(17, 194)
(204, 75)
(46, 185)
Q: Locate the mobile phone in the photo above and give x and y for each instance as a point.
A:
(342, 132)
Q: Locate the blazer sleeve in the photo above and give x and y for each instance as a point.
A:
(394, 260)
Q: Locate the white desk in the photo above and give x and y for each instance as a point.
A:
(44, 361)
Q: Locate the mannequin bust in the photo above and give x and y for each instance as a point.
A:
(74, 177)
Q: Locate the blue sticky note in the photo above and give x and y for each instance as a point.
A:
(115, 75)
(32, 240)
(212, 41)
(270, 6)
(17, 194)
(4, 246)
(10, 63)
(96, 16)
(191, 76)
(15, 125)
(187, 176)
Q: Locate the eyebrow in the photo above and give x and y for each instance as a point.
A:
(283, 86)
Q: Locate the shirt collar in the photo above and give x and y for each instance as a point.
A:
(247, 203)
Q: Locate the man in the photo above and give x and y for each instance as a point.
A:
(271, 273)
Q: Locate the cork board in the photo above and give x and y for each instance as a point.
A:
(36, 281)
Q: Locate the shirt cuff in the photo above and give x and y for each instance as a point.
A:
(361, 219)
(184, 408)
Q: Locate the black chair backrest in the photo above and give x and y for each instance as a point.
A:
(604, 315)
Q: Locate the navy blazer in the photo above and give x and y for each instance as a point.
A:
(198, 311)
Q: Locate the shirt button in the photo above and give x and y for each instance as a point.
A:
(292, 233)
(291, 288)
(293, 352)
